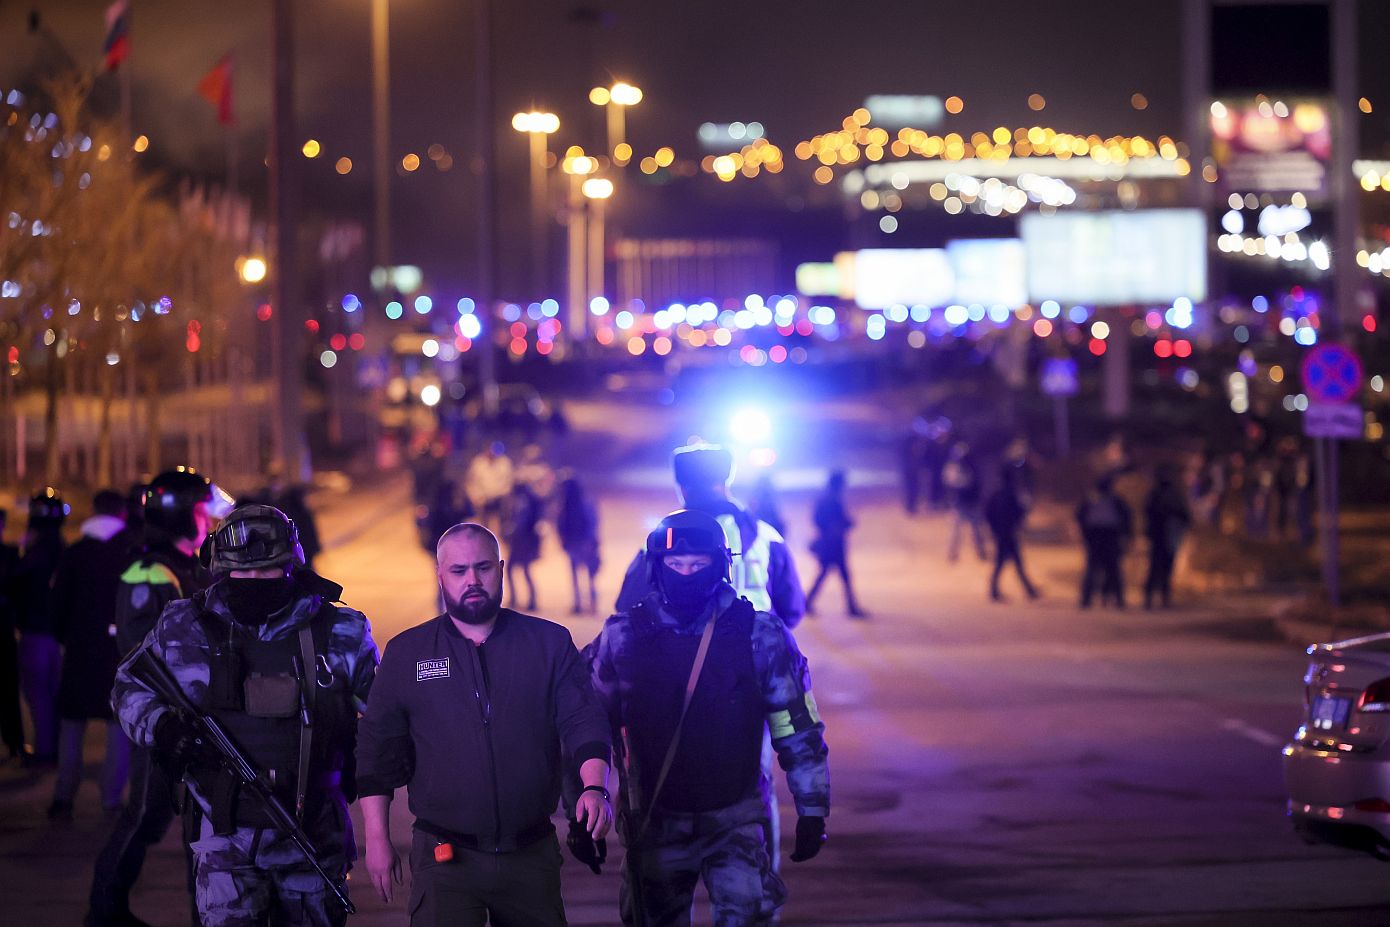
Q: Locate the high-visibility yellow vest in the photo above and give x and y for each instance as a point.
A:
(751, 567)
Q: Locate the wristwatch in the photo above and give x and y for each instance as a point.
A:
(597, 788)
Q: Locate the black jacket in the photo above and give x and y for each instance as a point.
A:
(486, 725)
(83, 604)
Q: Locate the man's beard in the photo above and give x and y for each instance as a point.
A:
(473, 610)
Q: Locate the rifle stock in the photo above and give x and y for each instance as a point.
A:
(155, 673)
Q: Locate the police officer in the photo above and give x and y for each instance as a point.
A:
(690, 675)
(483, 698)
(285, 672)
(40, 656)
(179, 508)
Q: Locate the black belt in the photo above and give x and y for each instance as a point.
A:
(522, 838)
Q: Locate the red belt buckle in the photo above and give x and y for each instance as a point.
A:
(443, 852)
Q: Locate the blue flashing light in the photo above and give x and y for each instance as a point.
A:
(1050, 309)
(1306, 336)
(511, 312)
(957, 315)
(786, 306)
(599, 306)
(423, 305)
(1259, 304)
(533, 312)
(470, 326)
(676, 313)
(550, 308)
(623, 319)
(467, 306)
(921, 313)
(394, 310)
(351, 303)
(750, 426)
(753, 301)
(1077, 314)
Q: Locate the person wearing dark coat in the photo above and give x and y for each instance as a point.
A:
(833, 525)
(1106, 527)
(577, 525)
(523, 539)
(83, 603)
(1005, 510)
(294, 504)
(1166, 519)
(11, 724)
(40, 655)
(763, 504)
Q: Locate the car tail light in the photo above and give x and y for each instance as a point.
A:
(1377, 805)
(1376, 698)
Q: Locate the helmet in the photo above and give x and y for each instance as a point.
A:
(47, 507)
(702, 465)
(170, 497)
(686, 531)
(255, 537)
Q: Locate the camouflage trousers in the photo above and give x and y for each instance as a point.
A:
(256, 878)
(727, 849)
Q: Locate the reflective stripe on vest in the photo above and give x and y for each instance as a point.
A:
(152, 572)
(751, 567)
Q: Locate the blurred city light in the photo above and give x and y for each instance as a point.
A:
(750, 426)
(429, 395)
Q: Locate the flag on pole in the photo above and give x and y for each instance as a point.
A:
(117, 44)
(216, 88)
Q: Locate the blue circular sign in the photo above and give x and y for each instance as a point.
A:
(1332, 373)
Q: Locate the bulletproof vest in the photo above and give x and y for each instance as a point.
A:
(717, 762)
(255, 696)
(752, 565)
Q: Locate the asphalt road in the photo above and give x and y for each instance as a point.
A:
(1017, 763)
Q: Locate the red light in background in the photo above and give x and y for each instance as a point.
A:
(312, 325)
(462, 343)
(1163, 348)
(518, 329)
(518, 346)
(604, 336)
(544, 348)
(804, 328)
(338, 342)
(1368, 322)
(263, 312)
(1182, 348)
(193, 343)
(777, 354)
(195, 327)
(1097, 346)
(356, 341)
(14, 354)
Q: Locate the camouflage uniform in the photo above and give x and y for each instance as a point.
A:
(254, 874)
(726, 846)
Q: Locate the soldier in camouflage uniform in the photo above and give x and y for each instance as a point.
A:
(286, 673)
(695, 800)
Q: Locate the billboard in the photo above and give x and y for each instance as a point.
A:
(989, 271)
(1263, 146)
(885, 277)
(1116, 258)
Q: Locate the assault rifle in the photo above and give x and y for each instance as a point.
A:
(153, 671)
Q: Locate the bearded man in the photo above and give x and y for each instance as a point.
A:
(472, 711)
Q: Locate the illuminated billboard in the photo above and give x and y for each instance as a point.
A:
(817, 279)
(989, 271)
(885, 277)
(1116, 258)
(1271, 146)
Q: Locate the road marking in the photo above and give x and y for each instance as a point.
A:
(1249, 732)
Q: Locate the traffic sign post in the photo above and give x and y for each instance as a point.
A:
(1332, 378)
(1059, 380)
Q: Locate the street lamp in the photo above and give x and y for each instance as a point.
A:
(596, 190)
(578, 166)
(252, 269)
(538, 127)
(616, 99)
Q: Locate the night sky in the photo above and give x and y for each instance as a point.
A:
(797, 67)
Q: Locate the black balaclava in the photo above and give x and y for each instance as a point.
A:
(253, 601)
(687, 595)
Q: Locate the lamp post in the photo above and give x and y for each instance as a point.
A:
(578, 166)
(596, 190)
(538, 127)
(616, 99)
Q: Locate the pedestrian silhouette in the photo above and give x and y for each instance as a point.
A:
(833, 525)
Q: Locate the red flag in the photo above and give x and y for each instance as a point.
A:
(216, 88)
(117, 44)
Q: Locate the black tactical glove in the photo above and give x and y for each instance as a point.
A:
(810, 834)
(592, 853)
(176, 741)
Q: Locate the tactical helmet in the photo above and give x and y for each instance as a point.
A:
(47, 507)
(702, 465)
(171, 496)
(255, 537)
(686, 531)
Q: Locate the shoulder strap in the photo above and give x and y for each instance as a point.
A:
(690, 685)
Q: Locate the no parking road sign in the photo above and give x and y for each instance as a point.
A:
(1332, 373)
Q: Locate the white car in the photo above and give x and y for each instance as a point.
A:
(1338, 766)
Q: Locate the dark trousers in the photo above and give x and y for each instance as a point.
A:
(40, 666)
(1006, 550)
(1104, 575)
(143, 822)
(1160, 580)
(520, 888)
(851, 604)
(11, 727)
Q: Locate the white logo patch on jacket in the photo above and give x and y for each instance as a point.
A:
(432, 669)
